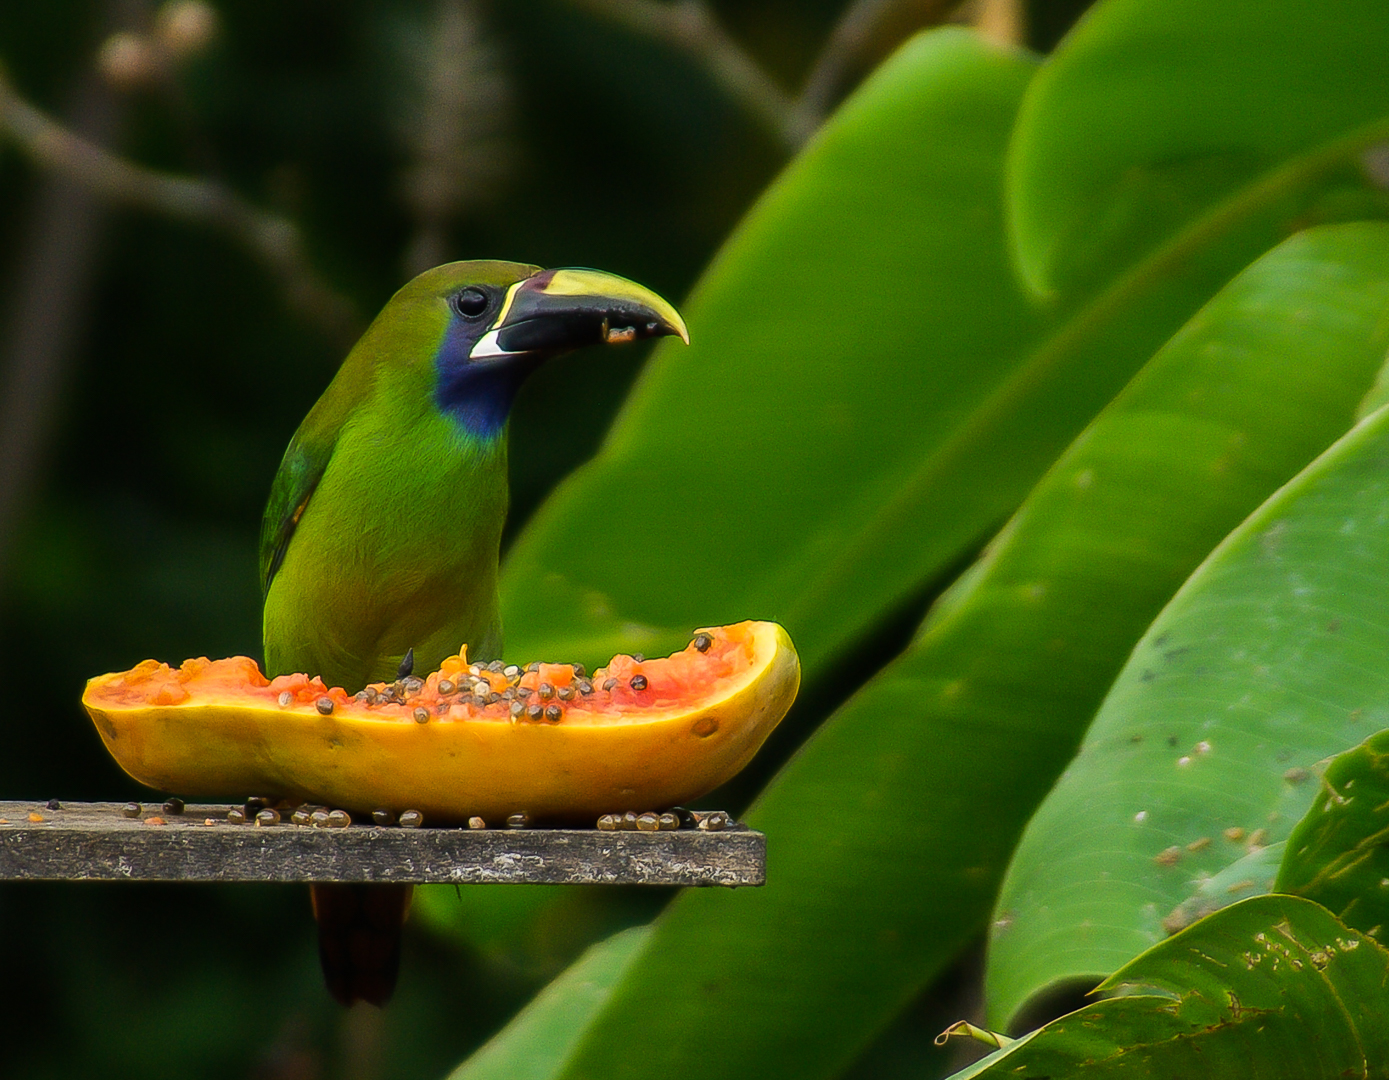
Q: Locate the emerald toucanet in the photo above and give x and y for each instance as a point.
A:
(383, 529)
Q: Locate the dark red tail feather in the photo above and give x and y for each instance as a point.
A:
(359, 929)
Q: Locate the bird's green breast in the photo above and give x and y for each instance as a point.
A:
(396, 550)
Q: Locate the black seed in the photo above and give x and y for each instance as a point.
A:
(580, 671)
(413, 685)
(171, 806)
(687, 820)
(285, 698)
(608, 684)
(383, 817)
(518, 821)
(476, 823)
(508, 695)
(407, 664)
(517, 709)
(131, 809)
(54, 804)
(565, 693)
(256, 802)
(546, 691)
(702, 642)
(421, 714)
(638, 682)
(585, 687)
(446, 686)
(268, 817)
(235, 816)
(324, 705)
(339, 819)
(553, 713)
(535, 710)
(319, 818)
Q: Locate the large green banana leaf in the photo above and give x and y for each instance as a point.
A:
(1156, 118)
(1268, 659)
(1273, 987)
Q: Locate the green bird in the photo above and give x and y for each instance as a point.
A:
(380, 543)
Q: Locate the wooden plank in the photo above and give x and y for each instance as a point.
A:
(98, 842)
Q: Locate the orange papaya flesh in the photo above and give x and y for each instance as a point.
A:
(635, 735)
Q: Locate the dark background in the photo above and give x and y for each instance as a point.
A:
(152, 370)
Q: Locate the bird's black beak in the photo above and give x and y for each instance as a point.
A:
(556, 311)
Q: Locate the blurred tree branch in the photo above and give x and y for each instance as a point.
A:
(274, 239)
(866, 32)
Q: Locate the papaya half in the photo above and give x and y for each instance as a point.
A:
(488, 740)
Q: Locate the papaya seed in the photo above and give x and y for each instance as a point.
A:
(702, 642)
(585, 687)
(687, 820)
(324, 706)
(54, 804)
(171, 806)
(319, 818)
(535, 711)
(608, 684)
(639, 658)
(268, 817)
(254, 803)
(518, 821)
(131, 809)
(476, 822)
(412, 684)
(235, 816)
(508, 694)
(446, 686)
(523, 692)
(607, 823)
(638, 682)
(441, 708)
(517, 710)
(553, 713)
(648, 822)
(565, 693)
(301, 815)
(715, 822)
(668, 821)
(534, 665)
(495, 666)
(383, 817)
(411, 819)
(285, 698)
(579, 670)
(511, 671)
(546, 691)
(628, 821)
(339, 819)
(421, 714)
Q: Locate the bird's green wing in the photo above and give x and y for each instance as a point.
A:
(304, 463)
(299, 474)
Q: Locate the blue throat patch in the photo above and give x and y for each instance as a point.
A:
(477, 395)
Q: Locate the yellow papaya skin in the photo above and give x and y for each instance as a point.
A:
(216, 742)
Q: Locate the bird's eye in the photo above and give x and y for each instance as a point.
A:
(471, 303)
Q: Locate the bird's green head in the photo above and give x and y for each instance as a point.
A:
(476, 330)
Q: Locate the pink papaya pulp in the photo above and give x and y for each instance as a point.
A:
(547, 740)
